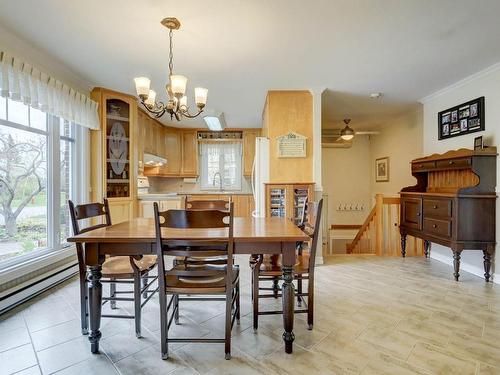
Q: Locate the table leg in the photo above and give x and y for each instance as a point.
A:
(95, 303)
(94, 263)
(456, 263)
(427, 248)
(403, 245)
(488, 252)
(288, 293)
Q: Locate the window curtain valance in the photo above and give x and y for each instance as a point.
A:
(22, 82)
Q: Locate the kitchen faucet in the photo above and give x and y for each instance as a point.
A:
(220, 181)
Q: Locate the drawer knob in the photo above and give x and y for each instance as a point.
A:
(451, 162)
(435, 206)
(418, 213)
(434, 226)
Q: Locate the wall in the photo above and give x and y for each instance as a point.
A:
(487, 84)
(401, 140)
(347, 179)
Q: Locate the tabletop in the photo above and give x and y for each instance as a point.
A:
(246, 229)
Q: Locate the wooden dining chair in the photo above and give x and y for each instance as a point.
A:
(268, 268)
(199, 280)
(207, 204)
(118, 269)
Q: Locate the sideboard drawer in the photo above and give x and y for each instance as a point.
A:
(425, 166)
(454, 163)
(434, 207)
(440, 228)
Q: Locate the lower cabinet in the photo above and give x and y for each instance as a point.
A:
(243, 203)
(146, 209)
(120, 210)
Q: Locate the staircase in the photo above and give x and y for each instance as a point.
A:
(379, 234)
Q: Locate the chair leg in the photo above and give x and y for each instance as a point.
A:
(137, 305)
(255, 302)
(299, 290)
(145, 281)
(276, 287)
(112, 294)
(310, 302)
(227, 340)
(176, 303)
(163, 324)
(84, 303)
(238, 315)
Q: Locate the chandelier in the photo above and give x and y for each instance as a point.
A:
(176, 105)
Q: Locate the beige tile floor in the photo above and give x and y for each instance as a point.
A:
(373, 316)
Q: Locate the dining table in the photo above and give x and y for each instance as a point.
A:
(267, 235)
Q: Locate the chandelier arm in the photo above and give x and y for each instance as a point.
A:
(185, 112)
(158, 110)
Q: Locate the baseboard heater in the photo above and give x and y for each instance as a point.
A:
(21, 295)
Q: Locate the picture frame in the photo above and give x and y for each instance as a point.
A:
(461, 119)
(382, 169)
(478, 143)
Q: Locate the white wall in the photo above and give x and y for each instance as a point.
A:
(487, 84)
(401, 140)
(346, 175)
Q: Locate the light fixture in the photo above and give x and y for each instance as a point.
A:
(176, 105)
(215, 122)
(347, 133)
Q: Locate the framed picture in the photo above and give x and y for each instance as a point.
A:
(478, 143)
(462, 119)
(382, 169)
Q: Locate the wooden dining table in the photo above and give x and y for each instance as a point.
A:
(137, 237)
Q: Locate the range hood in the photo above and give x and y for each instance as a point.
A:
(151, 160)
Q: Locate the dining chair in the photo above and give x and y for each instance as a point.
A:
(268, 268)
(115, 270)
(200, 281)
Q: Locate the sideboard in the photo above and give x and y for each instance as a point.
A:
(452, 203)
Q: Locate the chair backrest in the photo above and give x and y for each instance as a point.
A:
(302, 217)
(205, 247)
(312, 227)
(88, 211)
(212, 204)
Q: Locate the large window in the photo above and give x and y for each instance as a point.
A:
(37, 153)
(221, 162)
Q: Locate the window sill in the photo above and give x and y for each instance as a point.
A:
(35, 263)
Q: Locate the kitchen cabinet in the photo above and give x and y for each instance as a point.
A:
(146, 209)
(243, 203)
(287, 200)
(249, 150)
(173, 152)
(189, 166)
(113, 153)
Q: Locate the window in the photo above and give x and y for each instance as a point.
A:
(221, 160)
(37, 153)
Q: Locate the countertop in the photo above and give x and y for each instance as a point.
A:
(180, 195)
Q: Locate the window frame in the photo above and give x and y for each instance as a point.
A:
(204, 170)
(53, 186)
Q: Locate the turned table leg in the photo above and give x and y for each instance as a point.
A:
(456, 263)
(403, 245)
(94, 263)
(288, 294)
(488, 252)
(427, 248)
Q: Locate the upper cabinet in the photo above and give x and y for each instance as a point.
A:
(189, 166)
(172, 144)
(113, 154)
(249, 150)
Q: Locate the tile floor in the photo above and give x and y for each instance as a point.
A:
(373, 316)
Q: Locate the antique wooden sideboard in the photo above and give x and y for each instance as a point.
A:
(453, 203)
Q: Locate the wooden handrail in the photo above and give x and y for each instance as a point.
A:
(345, 226)
(361, 230)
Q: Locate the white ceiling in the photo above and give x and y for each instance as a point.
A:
(239, 49)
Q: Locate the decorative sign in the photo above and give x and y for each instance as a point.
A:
(462, 119)
(292, 145)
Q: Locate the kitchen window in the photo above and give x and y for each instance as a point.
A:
(221, 162)
(37, 177)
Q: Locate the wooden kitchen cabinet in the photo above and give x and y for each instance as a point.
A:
(146, 209)
(173, 152)
(249, 150)
(189, 166)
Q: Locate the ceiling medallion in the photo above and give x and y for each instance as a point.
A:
(176, 105)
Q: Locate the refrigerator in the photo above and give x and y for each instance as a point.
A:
(260, 175)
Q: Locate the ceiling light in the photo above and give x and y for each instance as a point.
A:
(176, 105)
(215, 122)
(375, 95)
(347, 133)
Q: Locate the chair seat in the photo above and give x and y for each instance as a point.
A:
(119, 267)
(199, 284)
(271, 266)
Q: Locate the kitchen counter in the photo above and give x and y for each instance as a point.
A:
(159, 197)
(181, 195)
